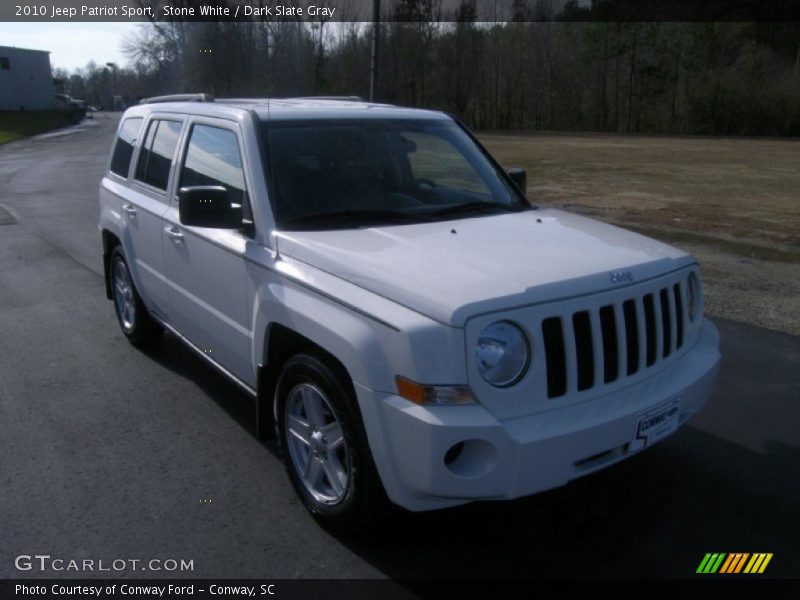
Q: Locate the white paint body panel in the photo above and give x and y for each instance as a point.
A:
(411, 300)
(488, 264)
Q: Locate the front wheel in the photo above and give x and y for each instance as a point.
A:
(324, 445)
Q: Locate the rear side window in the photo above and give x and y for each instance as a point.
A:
(123, 149)
(155, 158)
(213, 158)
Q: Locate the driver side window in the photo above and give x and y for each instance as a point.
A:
(213, 158)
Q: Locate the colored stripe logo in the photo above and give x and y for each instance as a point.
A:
(734, 562)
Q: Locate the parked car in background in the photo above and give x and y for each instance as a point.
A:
(63, 101)
(80, 105)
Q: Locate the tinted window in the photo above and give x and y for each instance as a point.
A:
(155, 159)
(213, 158)
(123, 150)
(5, 64)
(394, 170)
(438, 161)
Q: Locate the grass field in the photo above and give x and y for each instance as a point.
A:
(16, 124)
(734, 203)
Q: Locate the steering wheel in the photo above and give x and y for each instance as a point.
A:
(424, 181)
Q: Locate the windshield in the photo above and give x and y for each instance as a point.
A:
(351, 173)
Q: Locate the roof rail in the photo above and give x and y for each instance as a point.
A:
(267, 100)
(243, 100)
(178, 98)
(344, 98)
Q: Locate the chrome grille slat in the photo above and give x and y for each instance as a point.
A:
(678, 295)
(673, 326)
(570, 354)
(631, 336)
(622, 341)
(609, 334)
(666, 323)
(659, 325)
(650, 330)
(597, 347)
(584, 351)
(553, 336)
(642, 332)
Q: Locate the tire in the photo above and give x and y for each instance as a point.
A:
(134, 320)
(324, 446)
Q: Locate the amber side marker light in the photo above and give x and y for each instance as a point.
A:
(433, 395)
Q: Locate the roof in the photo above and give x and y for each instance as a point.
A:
(15, 49)
(286, 108)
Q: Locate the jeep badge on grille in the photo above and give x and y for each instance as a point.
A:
(620, 276)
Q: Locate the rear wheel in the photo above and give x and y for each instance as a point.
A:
(324, 446)
(134, 320)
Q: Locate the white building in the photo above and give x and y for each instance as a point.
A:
(26, 81)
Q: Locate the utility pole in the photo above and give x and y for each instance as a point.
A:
(113, 68)
(376, 33)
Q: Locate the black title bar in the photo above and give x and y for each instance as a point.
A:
(399, 11)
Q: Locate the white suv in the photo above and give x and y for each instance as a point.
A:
(412, 327)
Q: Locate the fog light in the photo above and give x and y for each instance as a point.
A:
(471, 459)
(453, 453)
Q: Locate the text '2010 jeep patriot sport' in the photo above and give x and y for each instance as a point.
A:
(410, 325)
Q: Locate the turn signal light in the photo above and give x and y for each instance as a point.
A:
(426, 395)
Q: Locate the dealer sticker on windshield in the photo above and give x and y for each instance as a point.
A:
(656, 424)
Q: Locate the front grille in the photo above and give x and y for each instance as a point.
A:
(592, 347)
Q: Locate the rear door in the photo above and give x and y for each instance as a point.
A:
(205, 267)
(145, 202)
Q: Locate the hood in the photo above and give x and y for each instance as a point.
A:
(452, 270)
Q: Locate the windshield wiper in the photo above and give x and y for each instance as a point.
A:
(386, 216)
(475, 206)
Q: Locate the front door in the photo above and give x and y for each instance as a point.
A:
(206, 273)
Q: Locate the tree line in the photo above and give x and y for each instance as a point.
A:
(537, 69)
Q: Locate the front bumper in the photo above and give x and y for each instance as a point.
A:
(525, 455)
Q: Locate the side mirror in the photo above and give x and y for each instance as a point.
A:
(208, 206)
(520, 178)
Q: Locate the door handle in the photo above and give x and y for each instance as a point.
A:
(129, 210)
(175, 234)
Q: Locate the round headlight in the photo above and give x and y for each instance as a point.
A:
(693, 296)
(502, 354)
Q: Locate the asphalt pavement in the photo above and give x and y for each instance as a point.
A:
(108, 452)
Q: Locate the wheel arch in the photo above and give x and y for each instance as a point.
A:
(280, 344)
(289, 318)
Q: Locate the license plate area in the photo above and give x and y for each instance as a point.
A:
(656, 424)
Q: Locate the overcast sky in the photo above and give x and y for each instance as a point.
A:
(71, 45)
